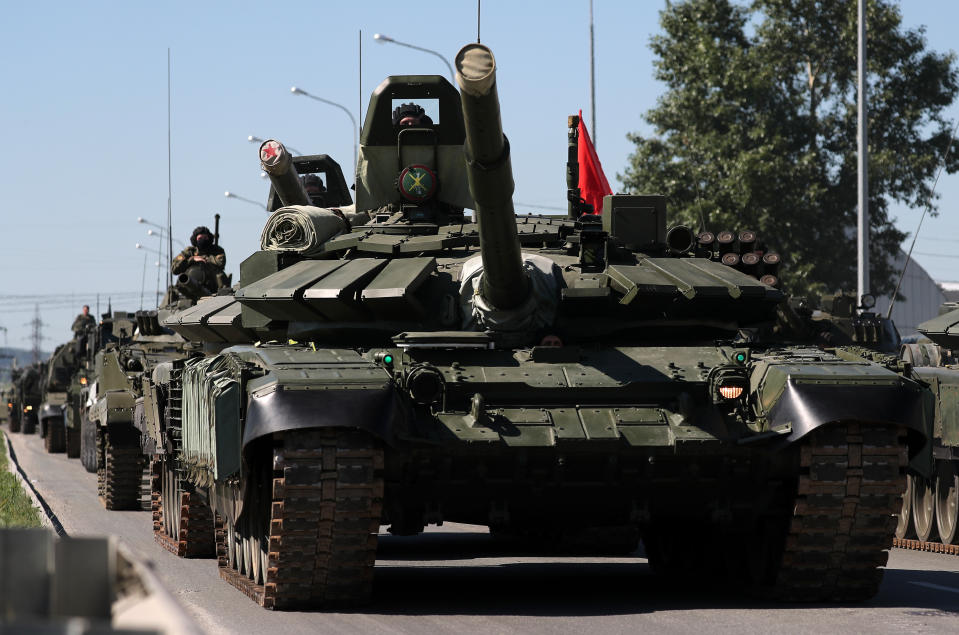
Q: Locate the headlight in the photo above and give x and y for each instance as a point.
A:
(730, 391)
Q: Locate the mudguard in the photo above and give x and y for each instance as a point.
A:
(51, 411)
(377, 410)
(115, 406)
(805, 397)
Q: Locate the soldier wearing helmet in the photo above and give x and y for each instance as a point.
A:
(411, 115)
(315, 189)
(203, 251)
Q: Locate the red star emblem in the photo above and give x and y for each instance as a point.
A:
(269, 150)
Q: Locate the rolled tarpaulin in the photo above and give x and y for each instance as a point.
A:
(300, 228)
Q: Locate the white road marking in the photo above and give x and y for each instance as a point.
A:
(936, 586)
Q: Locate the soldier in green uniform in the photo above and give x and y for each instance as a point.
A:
(202, 250)
(83, 320)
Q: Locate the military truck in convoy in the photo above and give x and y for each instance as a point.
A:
(591, 374)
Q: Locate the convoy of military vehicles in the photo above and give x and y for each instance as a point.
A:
(423, 354)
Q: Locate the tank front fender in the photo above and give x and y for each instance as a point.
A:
(51, 411)
(377, 410)
(807, 405)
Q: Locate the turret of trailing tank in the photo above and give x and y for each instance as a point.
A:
(504, 284)
(278, 165)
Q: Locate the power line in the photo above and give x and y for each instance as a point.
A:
(922, 253)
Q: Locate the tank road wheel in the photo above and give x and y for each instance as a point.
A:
(307, 533)
(947, 501)
(831, 545)
(119, 467)
(88, 444)
(54, 439)
(923, 507)
(904, 524)
(183, 521)
(72, 441)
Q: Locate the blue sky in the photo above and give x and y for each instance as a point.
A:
(83, 116)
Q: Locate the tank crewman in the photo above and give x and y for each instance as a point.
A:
(201, 249)
(411, 116)
(83, 320)
(315, 189)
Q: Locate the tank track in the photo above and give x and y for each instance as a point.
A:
(72, 442)
(119, 470)
(850, 487)
(920, 545)
(327, 498)
(55, 439)
(196, 521)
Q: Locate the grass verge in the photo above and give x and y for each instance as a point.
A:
(16, 508)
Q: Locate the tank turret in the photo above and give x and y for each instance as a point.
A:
(278, 165)
(505, 283)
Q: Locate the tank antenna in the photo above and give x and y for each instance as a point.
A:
(360, 109)
(478, 3)
(592, 78)
(169, 176)
(902, 274)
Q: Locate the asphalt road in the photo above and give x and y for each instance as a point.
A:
(454, 579)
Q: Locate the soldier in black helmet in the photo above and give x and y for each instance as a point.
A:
(314, 187)
(411, 115)
(202, 250)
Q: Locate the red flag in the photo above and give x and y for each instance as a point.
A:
(593, 185)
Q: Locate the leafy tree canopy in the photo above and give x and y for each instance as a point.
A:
(757, 128)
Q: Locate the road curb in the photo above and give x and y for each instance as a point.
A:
(47, 518)
(158, 611)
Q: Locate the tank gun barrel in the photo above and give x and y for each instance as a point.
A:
(505, 284)
(189, 288)
(277, 162)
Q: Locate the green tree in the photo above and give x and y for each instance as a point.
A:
(757, 128)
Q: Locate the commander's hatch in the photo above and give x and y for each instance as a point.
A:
(337, 192)
(426, 163)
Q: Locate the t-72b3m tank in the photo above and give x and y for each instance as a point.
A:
(583, 375)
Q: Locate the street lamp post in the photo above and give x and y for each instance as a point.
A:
(230, 194)
(255, 139)
(356, 130)
(379, 37)
(151, 232)
(158, 253)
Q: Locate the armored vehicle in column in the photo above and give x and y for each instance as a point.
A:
(61, 367)
(28, 389)
(591, 374)
(930, 515)
(15, 416)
